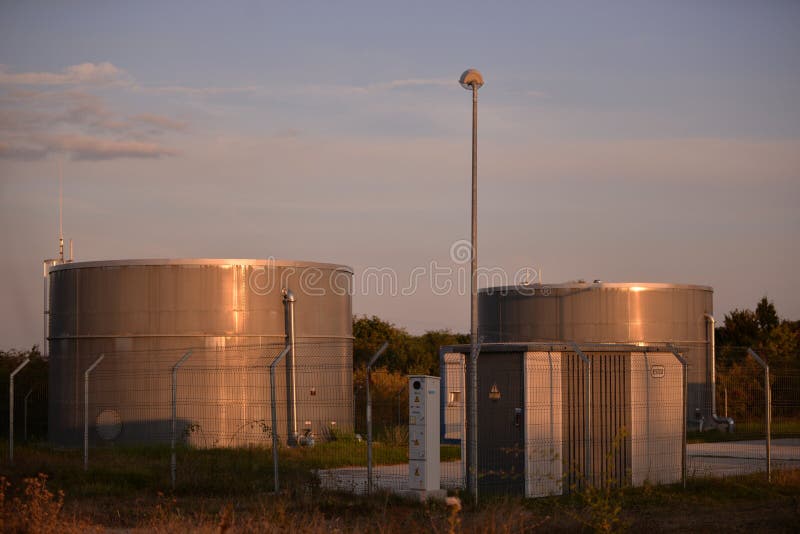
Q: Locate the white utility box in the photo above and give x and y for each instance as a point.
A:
(423, 433)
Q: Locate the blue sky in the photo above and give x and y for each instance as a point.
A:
(626, 141)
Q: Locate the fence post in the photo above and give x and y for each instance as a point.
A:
(647, 409)
(173, 460)
(768, 408)
(589, 475)
(725, 392)
(274, 408)
(25, 415)
(86, 411)
(11, 409)
(369, 414)
(684, 365)
(472, 418)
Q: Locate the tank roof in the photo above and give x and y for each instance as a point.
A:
(579, 284)
(199, 261)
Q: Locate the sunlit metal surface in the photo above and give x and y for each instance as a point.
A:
(143, 313)
(652, 313)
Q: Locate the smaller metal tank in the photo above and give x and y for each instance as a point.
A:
(600, 312)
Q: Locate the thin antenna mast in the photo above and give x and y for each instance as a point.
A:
(60, 214)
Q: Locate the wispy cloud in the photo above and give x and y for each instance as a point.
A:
(92, 148)
(105, 74)
(194, 91)
(21, 152)
(377, 87)
(410, 82)
(81, 147)
(68, 119)
(160, 122)
(83, 74)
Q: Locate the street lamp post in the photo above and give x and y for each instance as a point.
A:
(472, 80)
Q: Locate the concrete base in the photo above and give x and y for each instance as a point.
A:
(393, 478)
(726, 458)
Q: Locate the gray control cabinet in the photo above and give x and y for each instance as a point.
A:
(423, 433)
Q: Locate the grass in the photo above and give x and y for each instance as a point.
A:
(747, 431)
(123, 471)
(230, 491)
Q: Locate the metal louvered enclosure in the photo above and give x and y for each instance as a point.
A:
(552, 417)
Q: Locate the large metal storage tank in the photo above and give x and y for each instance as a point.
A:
(599, 312)
(145, 314)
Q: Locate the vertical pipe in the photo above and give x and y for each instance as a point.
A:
(711, 335)
(369, 414)
(11, 409)
(173, 460)
(712, 363)
(86, 411)
(274, 413)
(291, 404)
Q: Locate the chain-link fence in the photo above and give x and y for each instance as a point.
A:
(23, 409)
(214, 417)
(765, 429)
(551, 420)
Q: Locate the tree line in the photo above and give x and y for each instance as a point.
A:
(776, 340)
(407, 353)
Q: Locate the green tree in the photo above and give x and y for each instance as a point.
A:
(740, 329)
(778, 341)
(33, 377)
(407, 354)
(766, 315)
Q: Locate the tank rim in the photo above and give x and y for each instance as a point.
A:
(598, 285)
(219, 262)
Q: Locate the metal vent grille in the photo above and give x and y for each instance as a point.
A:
(610, 419)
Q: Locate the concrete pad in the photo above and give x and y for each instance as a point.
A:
(740, 457)
(393, 478)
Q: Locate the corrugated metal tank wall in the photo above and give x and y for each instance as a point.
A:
(143, 314)
(607, 313)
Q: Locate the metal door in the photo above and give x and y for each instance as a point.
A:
(501, 459)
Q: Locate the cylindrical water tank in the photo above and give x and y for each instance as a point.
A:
(599, 312)
(144, 315)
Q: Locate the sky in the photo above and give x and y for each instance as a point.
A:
(623, 141)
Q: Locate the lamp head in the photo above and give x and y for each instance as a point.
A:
(470, 78)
